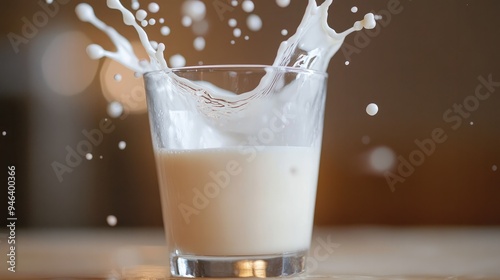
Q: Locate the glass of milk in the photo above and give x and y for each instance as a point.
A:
(237, 152)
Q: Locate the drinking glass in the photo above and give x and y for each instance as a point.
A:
(237, 152)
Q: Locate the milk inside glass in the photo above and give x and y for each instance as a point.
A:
(228, 202)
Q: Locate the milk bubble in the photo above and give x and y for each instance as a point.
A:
(283, 3)
(254, 22)
(199, 43)
(88, 156)
(153, 7)
(122, 145)
(247, 6)
(111, 220)
(372, 109)
(354, 9)
(347, 62)
(140, 15)
(177, 60)
(115, 109)
(165, 30)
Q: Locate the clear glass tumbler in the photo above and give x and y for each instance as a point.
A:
(237, 152)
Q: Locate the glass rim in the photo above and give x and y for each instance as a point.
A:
(235, 67)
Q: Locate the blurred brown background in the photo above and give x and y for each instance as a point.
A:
(425, 57)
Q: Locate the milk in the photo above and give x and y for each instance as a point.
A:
(229, 201)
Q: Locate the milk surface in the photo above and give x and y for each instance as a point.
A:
(238, 201)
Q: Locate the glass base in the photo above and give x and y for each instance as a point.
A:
(282, 265)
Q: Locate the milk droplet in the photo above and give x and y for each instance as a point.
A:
(122, 145)
(347, 62)
(84, 12)
(354, 9)
(111, 220)
(95, 51)
(115, 109)
(246, 37)
(100, 157)
(232, 42)
(247, 6)
(4, 133)
(117, 77)
(494, 168)
(49, 1)
(177, 60)
(236, 32)
(471, 123)
(144, 23)
(113, 4)
(152, 21)
(232, 22)
(283, 3)
(135, 4)
(199, 43)
(186, 21)
(234, 3)
(195, 9)
(140, 15)
(165, 30)
(382, 158)
(372, 109)
(284, 32)
(161, 20)
(153, 7)
(254, 22)
(88, 156)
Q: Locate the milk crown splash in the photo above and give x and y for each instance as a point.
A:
(311, 47)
